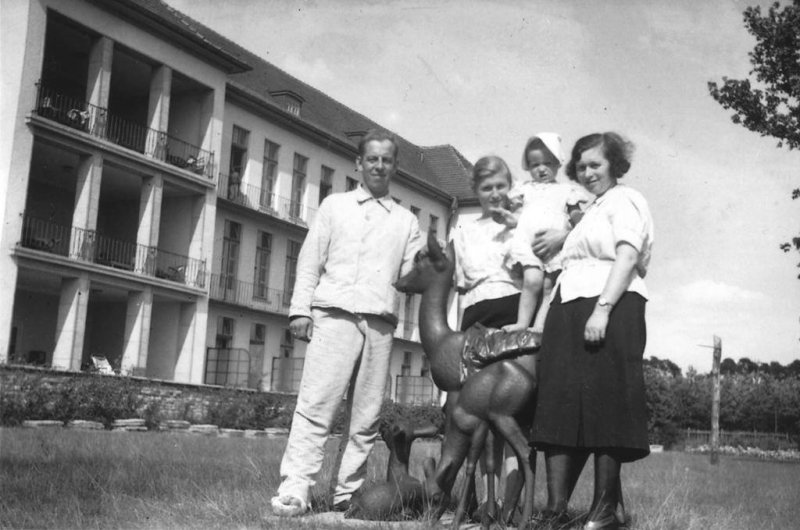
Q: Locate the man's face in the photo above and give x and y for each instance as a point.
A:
(377, 166)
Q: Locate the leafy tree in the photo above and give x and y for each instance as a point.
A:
(728, 366)
(771, 105)
(772, 109)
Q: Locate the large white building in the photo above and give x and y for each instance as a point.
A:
(158, 181)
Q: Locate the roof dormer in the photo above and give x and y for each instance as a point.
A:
(290, 101)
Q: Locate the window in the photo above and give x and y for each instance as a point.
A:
(269, 173)
(263, 253)
(230, 254)
(415, 211)
(239, 142)
(434, 226)
(292, 253)
(425, 371)
(406, 368)
(258, 333)
(287, 370)
(224, 332)
(350, 183)
(287, 344)
(298, 185)
(224, 364)
(325, 183)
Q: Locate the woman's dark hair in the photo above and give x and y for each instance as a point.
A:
(617, 150)
(489, 166)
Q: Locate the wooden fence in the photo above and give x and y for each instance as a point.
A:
(695, 437)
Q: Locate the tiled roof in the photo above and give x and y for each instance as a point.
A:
(441, 166)
(452, 169)
(170, 23)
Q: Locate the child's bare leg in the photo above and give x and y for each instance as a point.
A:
(544, 306)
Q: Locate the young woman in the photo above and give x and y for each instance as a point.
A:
(591, 396)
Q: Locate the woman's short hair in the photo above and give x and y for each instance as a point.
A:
(489, 166)
(379, 135)
(617, 150)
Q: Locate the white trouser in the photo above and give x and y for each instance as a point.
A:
(339, 341)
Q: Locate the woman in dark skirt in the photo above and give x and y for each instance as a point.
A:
(591, 397)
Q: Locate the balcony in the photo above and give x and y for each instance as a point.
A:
(414, 390)
(89, 246)
(253, 197)
(229, 289)
(98, 122)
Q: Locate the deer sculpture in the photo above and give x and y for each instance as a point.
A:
(401, 493)
(499, 397)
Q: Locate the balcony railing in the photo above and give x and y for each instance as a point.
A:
(286, 374)
(231, 188)
(414, 390)
(253, 296)
(97, 121)
(227, 367)
(88, 245)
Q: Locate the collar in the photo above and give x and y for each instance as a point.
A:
(599, 200)
(362, 196)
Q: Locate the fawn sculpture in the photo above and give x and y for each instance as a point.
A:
(499, 397)
(401, 493)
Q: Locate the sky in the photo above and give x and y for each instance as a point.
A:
(484, 76)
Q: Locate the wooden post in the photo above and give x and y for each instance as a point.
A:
(715, 391)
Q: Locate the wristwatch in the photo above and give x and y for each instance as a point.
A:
(602, 302)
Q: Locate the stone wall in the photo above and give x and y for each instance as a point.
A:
(175, 401)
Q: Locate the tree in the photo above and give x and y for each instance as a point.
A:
(772, 106)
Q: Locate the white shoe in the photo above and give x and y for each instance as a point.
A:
(288, 506)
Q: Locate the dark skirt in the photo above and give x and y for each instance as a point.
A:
(593, 398)
(493, 313)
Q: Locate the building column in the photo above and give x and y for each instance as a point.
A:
(137, 331)
(98, 84)
(23, 26)
(158, 112)
(187, 324)
(71, 323)
(149, 221)
(87, 204)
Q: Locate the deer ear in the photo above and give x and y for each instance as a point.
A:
(434, 250)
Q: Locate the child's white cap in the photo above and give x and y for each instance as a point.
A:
(551, 140)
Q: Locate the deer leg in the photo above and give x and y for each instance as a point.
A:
(511, 431)
(475, 447)
(514, 483)
(490, 508)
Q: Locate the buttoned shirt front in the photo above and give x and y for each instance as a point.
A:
(357, 247)
(482, 270)
(619, 215)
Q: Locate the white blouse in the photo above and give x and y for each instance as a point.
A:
(545, 206)
(481, 247)
(620, 215)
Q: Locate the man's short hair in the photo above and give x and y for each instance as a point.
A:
(378, 135)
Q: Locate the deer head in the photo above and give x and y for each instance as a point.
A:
(430, 265)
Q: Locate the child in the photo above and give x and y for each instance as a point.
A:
(546, 205)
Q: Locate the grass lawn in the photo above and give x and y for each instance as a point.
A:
(71, 479)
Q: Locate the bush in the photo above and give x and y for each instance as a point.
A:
(251, 411)
(668, 435)
(392, 412)
(97, 398)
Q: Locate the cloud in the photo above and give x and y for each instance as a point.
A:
(315, 72)
(714, 292)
